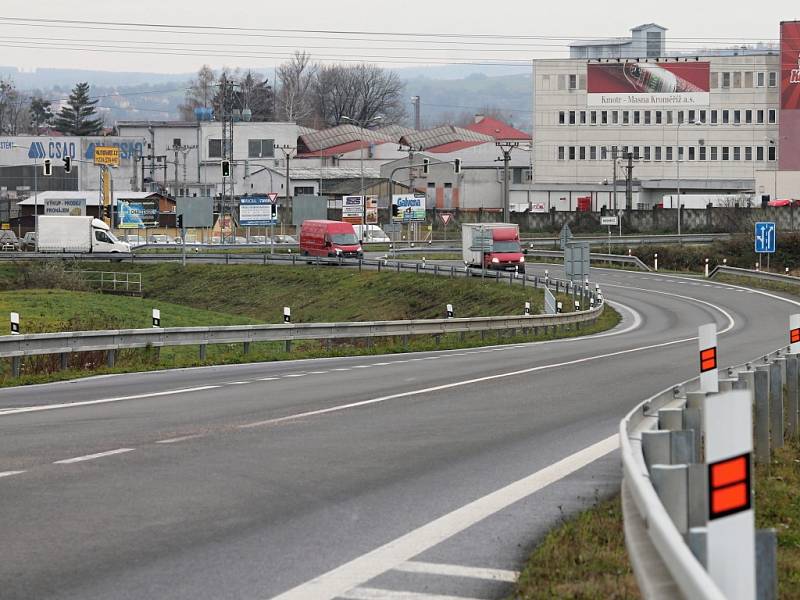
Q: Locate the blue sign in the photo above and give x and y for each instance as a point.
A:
(54, 149)
(765, 238)
(257, 211)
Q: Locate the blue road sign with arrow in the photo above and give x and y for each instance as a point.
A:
(765, 237)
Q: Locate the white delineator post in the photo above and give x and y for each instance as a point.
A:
(707, 342)
(655, 261)
(527, 308)
(156, 317)
(794, 334)
(14, 323)
(731, 526)
(450, 313)
(706, 268)
(287, 314)
(559, 307)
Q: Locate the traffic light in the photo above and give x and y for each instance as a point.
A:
(457, 166)
(425, 166)
(179, 221)
(226, 168)
(67, 164)
(107, 211)
(48, 167)
(395, 210)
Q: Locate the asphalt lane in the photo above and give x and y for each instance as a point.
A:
(266, 476)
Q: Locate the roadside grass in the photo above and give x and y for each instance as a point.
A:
(229, 295)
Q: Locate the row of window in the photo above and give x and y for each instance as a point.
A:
(255, 148)
(668, 117)
(719, 80)
(668, 153)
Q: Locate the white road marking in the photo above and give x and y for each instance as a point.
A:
(27, 409)
(78, 459)
(384, 364)
(268, 379)
(413, 566)
(367, 593)
(360, 570)
(362, 366)
(179, 439)
(10, 473)
(317, 372)
(296, 375)
(237, 383)
(342, 369)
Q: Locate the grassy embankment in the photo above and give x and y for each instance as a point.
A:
(48, 299)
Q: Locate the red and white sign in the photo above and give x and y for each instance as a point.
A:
(789, 122)
(707, 342)
(445, 217)
(794, 334)
(273, 197)
(646, 84)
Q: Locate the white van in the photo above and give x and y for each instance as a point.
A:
(372, 233)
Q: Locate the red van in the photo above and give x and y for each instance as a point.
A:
(329, 238)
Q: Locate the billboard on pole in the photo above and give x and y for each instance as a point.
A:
(136, 214)
(646, 84)
(789, 122)
(408, 208)
(65, 206)
(257, 211)
(372, 210)
(353, 210)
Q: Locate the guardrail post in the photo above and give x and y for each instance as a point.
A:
(452, 271)
(671, 485)
(203, 349)
(766, 564)
(462, 335)
(405, 342)
(287, 346)
(697, 499)
(791, 389)
(246, 347)
(16, 366)
(761, 398)
(656, 447)
(328, 344)
(64, 361)
(360, 262)
(776, 405)
(111, 356)
(697, 539)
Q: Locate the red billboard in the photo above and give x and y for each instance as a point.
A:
(789, 124)
(679, 84)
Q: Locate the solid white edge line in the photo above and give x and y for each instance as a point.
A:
(10, 473)
(27, 409)
(360, 570)
(369, 593)
(450, 570)
(77, 459)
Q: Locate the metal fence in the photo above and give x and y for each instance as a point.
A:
(112, 281)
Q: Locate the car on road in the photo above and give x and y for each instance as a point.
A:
(784, 202)
(28, 242)
(329, 238)
(284, 239)
(159, 238)
(8, 241)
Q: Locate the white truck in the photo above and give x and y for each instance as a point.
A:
(76, 234)
(492, 245)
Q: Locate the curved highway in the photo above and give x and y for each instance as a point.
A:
(365, 477)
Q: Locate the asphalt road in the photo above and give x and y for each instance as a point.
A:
(364, 477)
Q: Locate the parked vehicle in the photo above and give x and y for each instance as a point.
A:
(284, 239)
(329, 238)
(492, 245)
(28, 242)
(371, 233)
(8, 240)
(132, 239)
(159, 238)
(703, 200)
(77, 234)
(783, 202)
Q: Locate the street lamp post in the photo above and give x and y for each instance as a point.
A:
(35, 187)
(678, 167)
(363, 124)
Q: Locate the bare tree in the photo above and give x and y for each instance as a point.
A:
(360, 92)
(296, 77)
(199, 93)
(14, 108)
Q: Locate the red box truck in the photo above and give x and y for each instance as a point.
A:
(329, 238)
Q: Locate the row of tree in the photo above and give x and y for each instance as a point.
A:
(308, 93)
(22, 113)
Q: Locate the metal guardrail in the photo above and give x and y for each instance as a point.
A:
(633, 240)
(763, 275)
(620, 259)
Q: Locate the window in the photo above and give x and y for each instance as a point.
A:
(773, 115)
(691, 153)
(582, 118)
(680, 153)
(748, 153)
(562, 117)
(669, 152)
(726, 80)
(582, 152)
(572, 152)
(760, 117)
(658, 117)
(624, 152)
(714, 153)
(680, 117)
(714, 117)
(636, 153)
(773, 79)
(214, 148)
(703, 116)
(647, 117)
(647, 152)
(726, 153)
(604, 117)
(669, 117)
(692, 115)
(561, 153)
(771, 154)
(593, 117)
(759, 153)
(614, 117)
(737, 117)
(653, 44)
(261, 148)
(593, 153)
(572, 117)
(573, 82)
(603, 153)
(516, 175)
(760, 78)
(702, 153)
(306, 190)
(737, 153)
(737, 79)
(748, 79)
(636, 117)
(176, 142)
(101, 236)
(625, 117)
(658, 153)
(726, 116)
(748, 116)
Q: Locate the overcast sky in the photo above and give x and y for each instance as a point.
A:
(690, 23)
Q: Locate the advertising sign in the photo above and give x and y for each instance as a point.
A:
(789, 122)
(257, 211)
(107, 155)
(408, 208)
(372, 210)
(353, 209)
(645, 84)
(72, 207)
(609, 221)
(137, 214)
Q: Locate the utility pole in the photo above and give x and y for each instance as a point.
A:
(506, 148)
(287, 154)
(629, 182)
(415, 102)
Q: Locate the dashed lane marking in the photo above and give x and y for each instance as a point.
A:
(413, 566)
(10, 473)
(367, 593)
(183, 438)
(78, 459)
